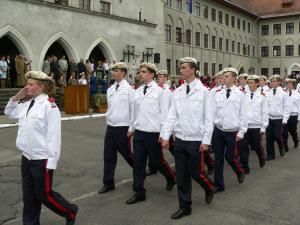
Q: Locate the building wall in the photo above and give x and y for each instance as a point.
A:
(35, 25)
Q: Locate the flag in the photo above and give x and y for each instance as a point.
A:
(191, 6)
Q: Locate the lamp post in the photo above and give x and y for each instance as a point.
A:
(128, 52)
(148, 54)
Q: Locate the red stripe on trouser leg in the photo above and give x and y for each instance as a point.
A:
(261, 148)
(129, 148)
(166, 164)
(202, 175)
(236, 159)
(71, 215)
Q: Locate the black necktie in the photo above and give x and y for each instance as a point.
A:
(251, 95)
(145, 89)
(228, 93)
(30, 106)
(261, 90)
(118, 85)
(274, 91)
(187, 89)
(290, 93)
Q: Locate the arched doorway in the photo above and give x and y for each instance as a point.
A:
(56, 49)
(294, 70)
(7, 47)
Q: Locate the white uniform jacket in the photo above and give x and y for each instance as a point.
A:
(120, 104)
(39, 134)
(190, 116)
(278, 105)
(257, 113)
(230, 114)
(294, 103)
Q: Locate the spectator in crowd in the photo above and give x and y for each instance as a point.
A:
(89, 68)
(82, 80)
(3, 71)
(173, 85)
(104, 85)
(106, 67)
(63, 63)
(12, 72)
(73, 69)
(55, 68)
(28, 64)
(46, 65)
(81, 67)
(93, 85)
(21, 70)
(72, 80)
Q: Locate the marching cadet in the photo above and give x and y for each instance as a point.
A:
(39, 140)
(162, 81)
(263, 87)
(146, 125)
(118, 117)
(278, 116)
(258, 120)
(294, 108)
(230, 119)
(219, 82)
(243, 82)
(190, 118)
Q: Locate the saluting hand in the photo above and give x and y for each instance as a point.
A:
(22, 94)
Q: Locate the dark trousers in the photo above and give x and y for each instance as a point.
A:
(225, 141)
(274, 133)
(292, 129)
(252, 139)
(36, 185)
(115, 141)
(189, 164)
(145, 144)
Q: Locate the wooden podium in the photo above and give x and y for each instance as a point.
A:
(76, 99)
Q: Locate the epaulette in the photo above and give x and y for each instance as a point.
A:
(52, 102)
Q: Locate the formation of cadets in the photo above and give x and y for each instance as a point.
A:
(192, 122)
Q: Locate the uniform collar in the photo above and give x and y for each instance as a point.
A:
(192, 85)
(152, 83)
(40, 98)
(121, 83)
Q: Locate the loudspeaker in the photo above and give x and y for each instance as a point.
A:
(156, 57)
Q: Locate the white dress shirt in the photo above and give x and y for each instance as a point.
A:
(190, 116)
(230, 114)
(257, 113)
(148, 109)
(39, 134)
(294, 103)
(278, 104)
(120, 104)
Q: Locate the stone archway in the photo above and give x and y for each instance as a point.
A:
(294, 69)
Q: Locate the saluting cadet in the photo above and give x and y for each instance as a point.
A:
(294, 108)
(190, 118)
(263, 87)
(39, 140)
(258, 120)
(162, 81)
(230, 119)
(278, 116)
(118, 117)
(146, 125)
(243, 82)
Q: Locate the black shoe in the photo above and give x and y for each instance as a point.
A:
(151, 172)
(241, 178)
(105, 189)
(296, 144)
(281, 151)
(209, 196)
(269, 158)
(181, 213)
(218, 190)
(72, 220)
(136, 198)
(170, 185)
(262, 163)
(246, 170)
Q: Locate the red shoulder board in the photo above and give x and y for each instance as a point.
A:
(52, 101)
(263, 94)
(218, 90)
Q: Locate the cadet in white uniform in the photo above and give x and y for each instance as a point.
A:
(39, 140)
(243, 82)
(278, 116)
(190, 118)
(230, 119)
(146, 125)
(294, 108)
(258, 120)
(118, 117)
(263, 87)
